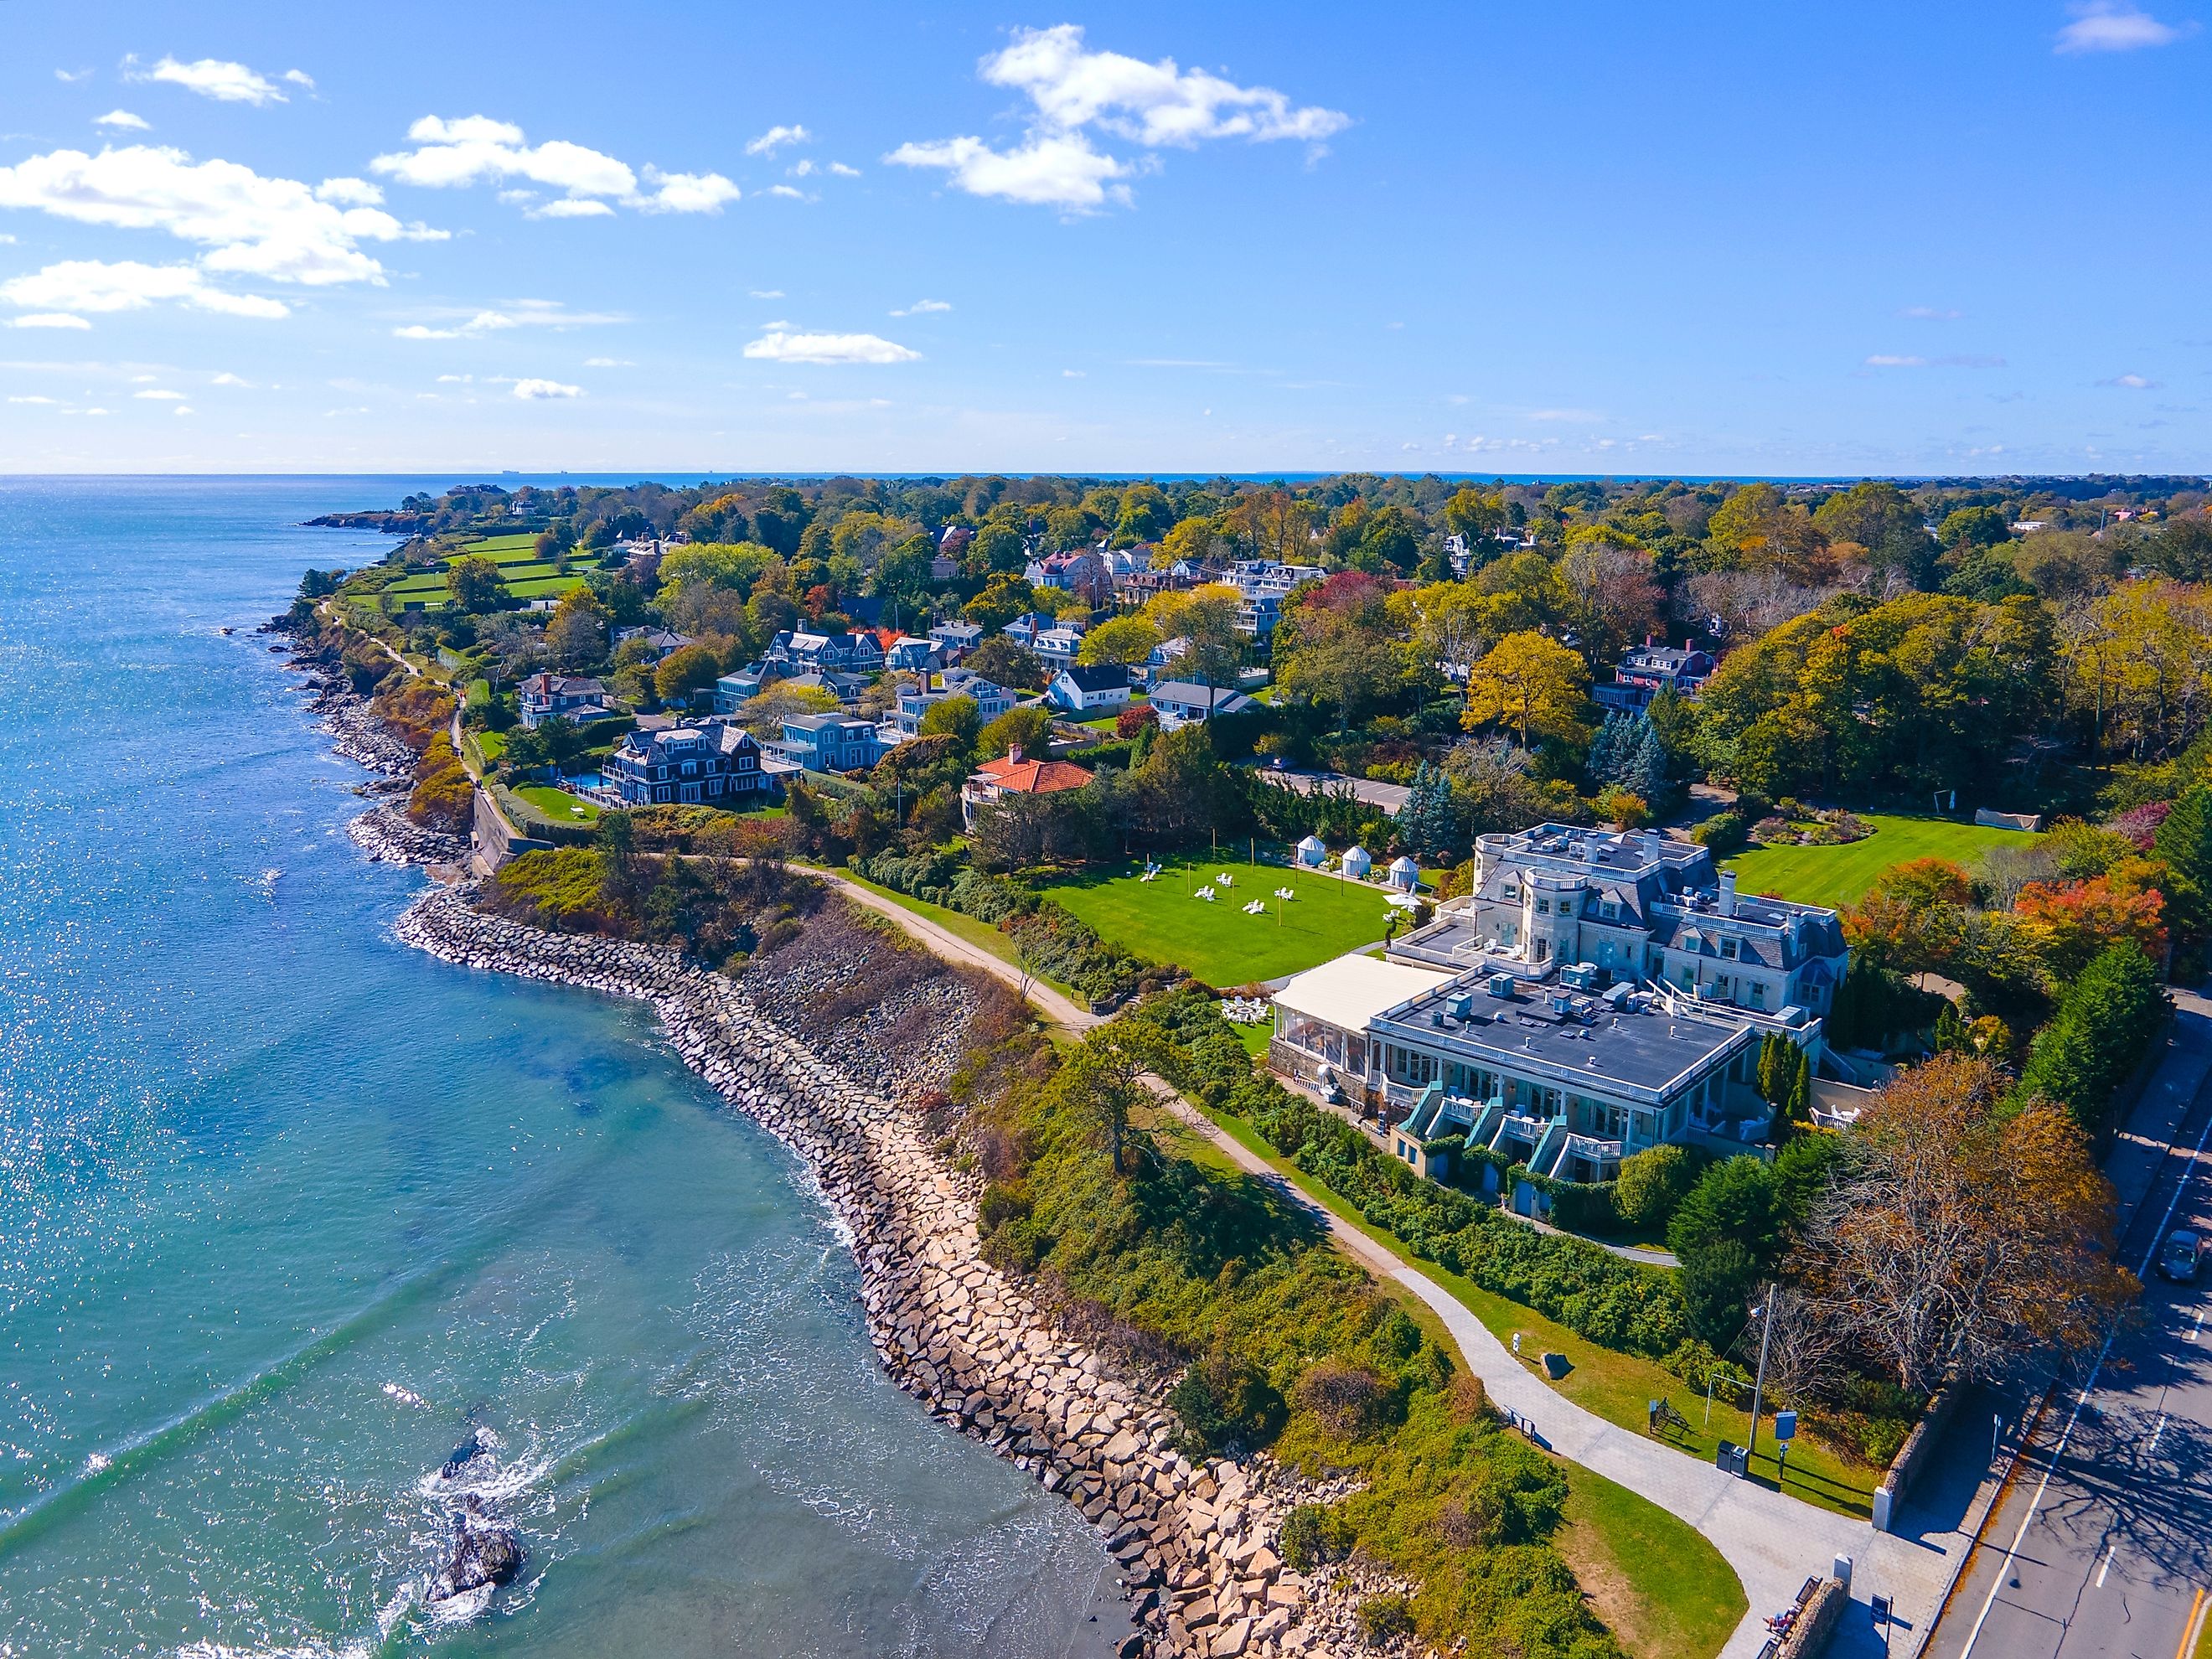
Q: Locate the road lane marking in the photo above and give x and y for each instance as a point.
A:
(2107, 1567)
(2154, 1434)
(2188, 1630)
(2004, 1563)
(2196, 1326)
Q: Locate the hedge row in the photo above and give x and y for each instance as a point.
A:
(1052, 942)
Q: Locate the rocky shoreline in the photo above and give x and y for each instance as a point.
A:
(1195, 1542)
(388, 836)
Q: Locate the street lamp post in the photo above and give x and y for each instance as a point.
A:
(1765, 1317)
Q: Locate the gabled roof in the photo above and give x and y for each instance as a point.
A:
(1096, 676)
(1226, 702)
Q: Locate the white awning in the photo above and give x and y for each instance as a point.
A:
(1352, 990)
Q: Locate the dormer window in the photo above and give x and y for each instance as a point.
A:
(1728, 950)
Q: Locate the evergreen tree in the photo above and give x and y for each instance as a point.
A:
(1643, 769)
(1774, 1051)
(1428, 824)
(1798, 1109)
(1606, 750)
(1950, 1031)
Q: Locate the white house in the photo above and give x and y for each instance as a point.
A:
(1179, 701)
(1085, 690)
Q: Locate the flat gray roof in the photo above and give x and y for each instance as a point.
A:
(1644, 1054)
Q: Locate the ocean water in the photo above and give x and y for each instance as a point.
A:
(287, 1210)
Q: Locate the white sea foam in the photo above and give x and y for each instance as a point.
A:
(405, 1396)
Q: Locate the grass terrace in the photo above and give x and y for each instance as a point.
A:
(558, 804)
(1836, 875)
(1162, 920)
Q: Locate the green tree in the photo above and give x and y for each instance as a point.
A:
(2105, 1022)
(1003, 598)
(955, 717)
(1002, 662)
(1652, 1185)
(1028, 729)
(689, 668)
(474, 584)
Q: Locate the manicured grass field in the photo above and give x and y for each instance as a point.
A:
(558, 804)
(1161, 921)
(544, 587)
(1841, 875)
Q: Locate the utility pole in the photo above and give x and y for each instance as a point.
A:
(1765, 1317)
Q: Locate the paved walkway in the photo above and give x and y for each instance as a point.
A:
(1773, 1542)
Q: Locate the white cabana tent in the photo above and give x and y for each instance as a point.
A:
(1311, 853)
(1357, 864)
(1405, 874)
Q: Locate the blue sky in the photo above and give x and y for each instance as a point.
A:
(1593, 237)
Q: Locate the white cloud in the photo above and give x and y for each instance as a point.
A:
(573, 207)
(1043, 172)
(921, 306)
(686, 192)
(474, 148)
(1886, 360)
(251, 225)
(122, 118)
(787, 192)
(210, 77)
(765, 293)
(184, 409)
(349, 192)
(805, 168)
(776, 137)
(2114, 26)
(778, 346)
(75, 286)
(49, 320)
(228, 378)
(159, 395)
(2131, 383)
(844, 171)
(1072, 374)
(1930, 314)
(300, 78)
(1073, 90)
(519, 313)
(71, 77)
(608, 363)
(30, 398)
(534, 391)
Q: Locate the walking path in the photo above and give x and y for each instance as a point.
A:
(1773, 1542)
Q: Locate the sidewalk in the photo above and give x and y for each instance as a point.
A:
(1772, 1542)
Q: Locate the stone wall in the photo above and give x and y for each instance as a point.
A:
(1195, 1543)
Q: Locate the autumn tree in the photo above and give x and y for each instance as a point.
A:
(577, 635)
(2067, 924)
(1961, 1240)
(682, 672)
(1120, 641)
(1532, 684)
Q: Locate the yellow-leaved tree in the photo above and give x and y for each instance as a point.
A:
(1533, 685)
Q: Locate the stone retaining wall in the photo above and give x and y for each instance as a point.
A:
(1195, 1543)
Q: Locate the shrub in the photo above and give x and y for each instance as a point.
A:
(1313, 1537)
(1652, 1184)
(1349, 1400)
(2104, 1023)
(1721, 833)
(1383, 1619)
(1225, 1404)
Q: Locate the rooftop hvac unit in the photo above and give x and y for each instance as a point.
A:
(1460, 1005)
(1499, 985)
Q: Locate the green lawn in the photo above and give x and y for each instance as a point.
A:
(1660, 1586)
(1162, 920)
(558, 804)
(1841, 875)
(961, 926)
(1613, 1386)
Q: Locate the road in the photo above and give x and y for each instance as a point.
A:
(2103, 1544)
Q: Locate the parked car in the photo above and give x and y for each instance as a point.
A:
(2178, 1259)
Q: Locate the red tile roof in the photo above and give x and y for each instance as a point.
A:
(1031, 777)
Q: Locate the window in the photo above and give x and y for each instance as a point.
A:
(1759, 993)
(1729, 948)
(1610, 910)
(1543, 907)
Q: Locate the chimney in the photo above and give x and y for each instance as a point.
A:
(1727, 892)
(1014, 754)
(1648, 640)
